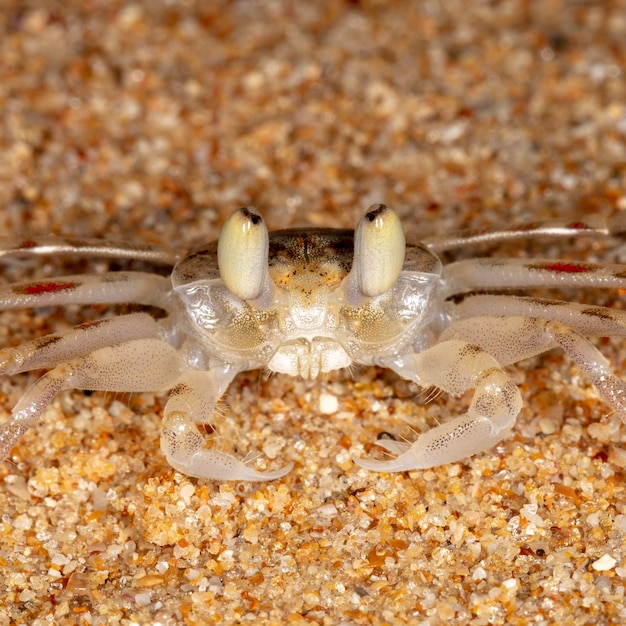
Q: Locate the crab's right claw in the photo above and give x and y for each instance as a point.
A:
(183, 446)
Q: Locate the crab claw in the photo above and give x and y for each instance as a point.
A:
(242, 255)
(400, 463)
(379, 248)
(216, 465)
(184, 449)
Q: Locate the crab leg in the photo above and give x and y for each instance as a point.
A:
(470, 354)
(591, 321)
(143, 365)
(454, 366)
(558, 229)
(192, 402)
(47, 352)
(512, 339)
(106, 288)
(489, 274)
(134, 366)
(92, 248)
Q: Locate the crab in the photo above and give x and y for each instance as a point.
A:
(306, 302)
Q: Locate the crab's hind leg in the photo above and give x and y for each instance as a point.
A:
(133, 366)
(588, 320)
(487, 274)
(556, 229)
(105, 288)
(454, 366)
(51, 350)
(191, 402)
(51, 246)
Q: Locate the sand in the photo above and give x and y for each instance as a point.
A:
(153, 122)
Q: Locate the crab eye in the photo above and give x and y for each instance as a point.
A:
(242, 254)
(379, 247)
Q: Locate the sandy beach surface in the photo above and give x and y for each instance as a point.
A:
(153, 121)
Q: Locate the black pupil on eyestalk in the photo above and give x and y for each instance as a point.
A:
(375, 213)
(255, 219)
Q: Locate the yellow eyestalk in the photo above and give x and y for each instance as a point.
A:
(379, 247)
(242, 254)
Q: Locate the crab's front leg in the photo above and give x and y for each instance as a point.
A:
(147, 364)
(511, 339)
(454, 366)
(192, 402)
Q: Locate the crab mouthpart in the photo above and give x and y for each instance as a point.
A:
(309, 358)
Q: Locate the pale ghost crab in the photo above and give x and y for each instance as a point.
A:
(310, 301)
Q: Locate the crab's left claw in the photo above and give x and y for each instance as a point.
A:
(379, 249)
(454, 366)
(450, 442)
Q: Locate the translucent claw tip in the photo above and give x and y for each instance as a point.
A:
(216, 465)
(400, 464)
(405, 461)
(272, 474)
(395, 447)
